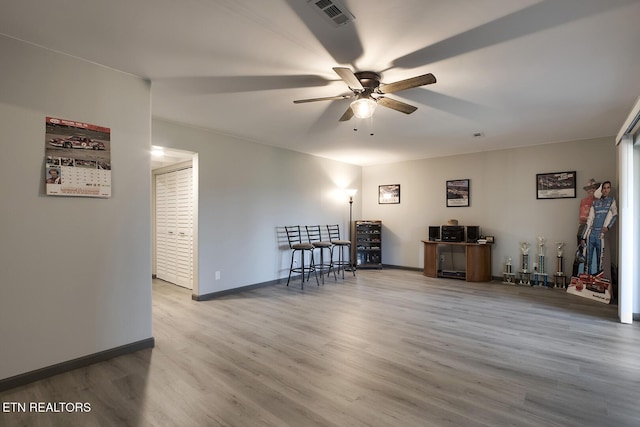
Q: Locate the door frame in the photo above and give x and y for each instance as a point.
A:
(193, 164)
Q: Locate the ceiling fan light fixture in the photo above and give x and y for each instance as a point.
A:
(363, 108)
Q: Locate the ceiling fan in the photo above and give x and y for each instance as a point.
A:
(368, 92)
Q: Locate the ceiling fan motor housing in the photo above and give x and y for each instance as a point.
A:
(370, 80)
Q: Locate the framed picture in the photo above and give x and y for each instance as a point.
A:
(389, 194)
(556, 185)
(458, 193)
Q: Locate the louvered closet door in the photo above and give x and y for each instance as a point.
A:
(174, 227)
(162, 238)
(184, 228)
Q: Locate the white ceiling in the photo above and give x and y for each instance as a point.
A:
(522, 72)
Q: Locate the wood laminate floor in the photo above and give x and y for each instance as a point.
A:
(386, 348)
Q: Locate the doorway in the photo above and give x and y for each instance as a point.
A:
(174, 199)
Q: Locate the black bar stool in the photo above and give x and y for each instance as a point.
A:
(334, 238)
(294, 235)
(314, 234)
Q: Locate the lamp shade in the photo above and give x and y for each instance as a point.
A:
(363, 108)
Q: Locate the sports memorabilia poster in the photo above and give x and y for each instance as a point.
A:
(78, 159)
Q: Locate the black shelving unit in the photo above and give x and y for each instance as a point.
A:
(366, 243)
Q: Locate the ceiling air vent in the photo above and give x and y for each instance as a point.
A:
(332, 11)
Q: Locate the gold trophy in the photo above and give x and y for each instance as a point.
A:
(559, 279)
(508, 276)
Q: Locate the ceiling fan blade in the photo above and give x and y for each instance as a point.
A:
(349, 78)
(425, 79)
(396, 105)
(347, 115)
(326, 98)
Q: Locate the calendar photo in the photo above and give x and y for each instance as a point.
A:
(78, 159)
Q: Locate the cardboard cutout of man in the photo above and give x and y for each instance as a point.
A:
(602, 215)
(585, 207)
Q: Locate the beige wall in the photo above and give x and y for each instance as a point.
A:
(503, 198)
(247, 192)
(75, 273)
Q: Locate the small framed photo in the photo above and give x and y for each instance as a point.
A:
(389, 194)
(489, 239)
(556, 185)
(458, 193)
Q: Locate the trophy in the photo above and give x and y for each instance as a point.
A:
(541, 266)
(525, 274)
(559, 276)
(508, 277)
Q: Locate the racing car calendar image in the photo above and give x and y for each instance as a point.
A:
(78, 159)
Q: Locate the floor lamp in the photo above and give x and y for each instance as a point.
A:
(351, 192)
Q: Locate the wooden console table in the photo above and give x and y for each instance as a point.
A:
(478, 260)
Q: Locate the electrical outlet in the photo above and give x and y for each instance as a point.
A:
(217, 275)
(441, 257)
(295, 263)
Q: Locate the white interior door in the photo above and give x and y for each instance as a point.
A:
(174, 227)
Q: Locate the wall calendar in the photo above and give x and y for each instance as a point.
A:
(78, 159)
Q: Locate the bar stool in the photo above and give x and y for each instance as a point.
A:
(334, 238)
(294, 235)
(314, 235)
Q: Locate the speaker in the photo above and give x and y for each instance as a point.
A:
(434, 233)
(473, 233)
